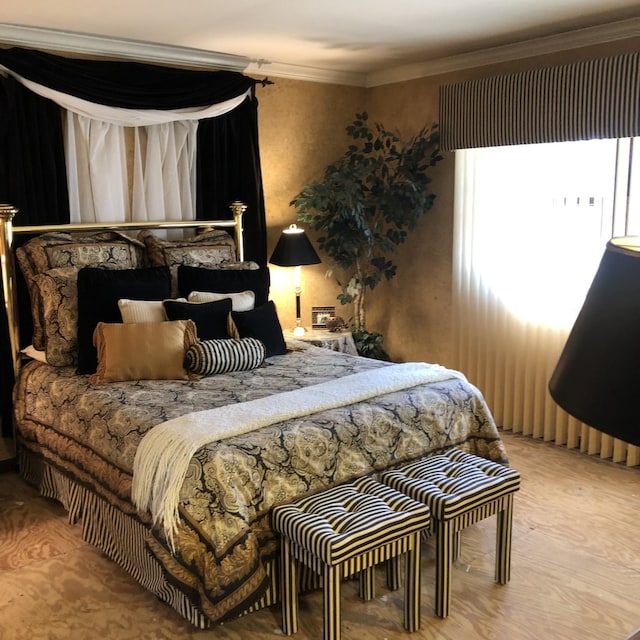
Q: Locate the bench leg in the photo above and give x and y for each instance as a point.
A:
(367, 581)
(457, 545)
(503, 541)
(393, 573)
(288, 588)
(445, 544)
(412, 584)
(331, 602)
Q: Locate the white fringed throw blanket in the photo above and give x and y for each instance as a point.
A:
(163, 456)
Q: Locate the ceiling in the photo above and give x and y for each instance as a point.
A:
(360, 39)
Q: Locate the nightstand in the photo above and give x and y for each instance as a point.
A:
(334, 340)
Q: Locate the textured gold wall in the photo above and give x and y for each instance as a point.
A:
(302, 130)
(301, 127)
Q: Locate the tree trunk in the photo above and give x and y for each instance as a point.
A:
(358, 302)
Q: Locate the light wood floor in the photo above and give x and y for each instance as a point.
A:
(575, 570)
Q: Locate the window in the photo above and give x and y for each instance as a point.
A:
(531, 224)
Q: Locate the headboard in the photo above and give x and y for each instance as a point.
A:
(8, 265)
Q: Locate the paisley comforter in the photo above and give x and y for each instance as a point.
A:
(224, 539)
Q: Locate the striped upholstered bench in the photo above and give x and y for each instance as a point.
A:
(460, 489)
(346, 530)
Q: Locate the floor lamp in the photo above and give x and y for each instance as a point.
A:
(294, 249)
(597, 377)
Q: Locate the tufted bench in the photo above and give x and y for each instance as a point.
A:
(460, 489)
(345, 530)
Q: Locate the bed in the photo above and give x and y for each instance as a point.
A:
(253, 429)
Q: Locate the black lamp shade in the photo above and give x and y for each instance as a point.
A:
(294, 249)
(597, 378)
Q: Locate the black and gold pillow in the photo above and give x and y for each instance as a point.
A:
(209, 357)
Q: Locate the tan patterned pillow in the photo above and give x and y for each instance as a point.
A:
(58, 293)
(213, 249)
(108, 249)
(143, 351)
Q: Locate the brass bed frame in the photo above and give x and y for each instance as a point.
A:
(8, 230)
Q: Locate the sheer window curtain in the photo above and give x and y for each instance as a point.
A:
(95, 155)
(531, 223)
(164, 186)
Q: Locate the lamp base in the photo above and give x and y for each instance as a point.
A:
(299, 331)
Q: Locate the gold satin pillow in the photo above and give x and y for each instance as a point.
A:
(142, 351)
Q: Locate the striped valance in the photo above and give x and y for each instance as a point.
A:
(581, 101)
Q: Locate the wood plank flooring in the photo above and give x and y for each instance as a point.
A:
(575, 571)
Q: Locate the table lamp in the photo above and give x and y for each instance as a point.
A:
(597, 378)
(294, 249)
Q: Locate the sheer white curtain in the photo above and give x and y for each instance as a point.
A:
(95, 153)
(531, 224)
(164, 171)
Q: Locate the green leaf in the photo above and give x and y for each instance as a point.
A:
(365, 201)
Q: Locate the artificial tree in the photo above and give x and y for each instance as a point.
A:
(363, 207)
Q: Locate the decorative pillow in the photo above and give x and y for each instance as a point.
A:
(108, 249)
(53, 250)
(225, 280)
(210, 318)
(211, 248)
(208, 357)
(98, 293)
(58, 293)
(262, 323)
(240, 301)
(142, 351)
(143, 310)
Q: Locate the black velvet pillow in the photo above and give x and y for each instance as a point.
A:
(211, 318)
(224, 281)
(98, 293)
(262, 323)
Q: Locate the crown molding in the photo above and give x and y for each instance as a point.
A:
(312, 74)
(538, 46)
(73, 42)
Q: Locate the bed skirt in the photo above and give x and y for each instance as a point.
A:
(121, 537)
(123, 540)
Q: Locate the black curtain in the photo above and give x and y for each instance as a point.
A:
(223, 175)
(32, 166)
(130, 85)
(33, 176)
(33, 179)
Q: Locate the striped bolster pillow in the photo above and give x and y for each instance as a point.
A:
(208, 357)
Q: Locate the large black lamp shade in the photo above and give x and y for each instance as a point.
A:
(294, 249)
(597, 378)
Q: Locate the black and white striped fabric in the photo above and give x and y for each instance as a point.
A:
(460, 489)
(209, 357)
(344, 530)
(590, 99)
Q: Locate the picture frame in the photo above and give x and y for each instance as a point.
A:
(319, 316)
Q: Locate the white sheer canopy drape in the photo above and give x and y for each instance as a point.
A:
(162, 167)
(95, 154)
(164, 185)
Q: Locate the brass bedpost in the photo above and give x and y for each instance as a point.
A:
(238, 208)
(7, 212)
